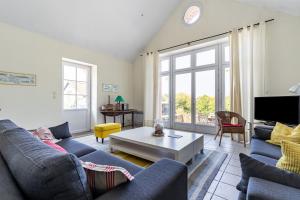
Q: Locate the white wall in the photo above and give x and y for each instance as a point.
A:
(220, 16)
(138, 88)
(283, 54)
(26, 52)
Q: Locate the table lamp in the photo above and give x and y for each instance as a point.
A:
(119, 99)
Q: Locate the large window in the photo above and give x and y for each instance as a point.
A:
(76, 86)
(194, 85)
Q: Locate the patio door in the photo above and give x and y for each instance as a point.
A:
(194, 86)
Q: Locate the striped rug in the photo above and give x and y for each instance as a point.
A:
(203, 171)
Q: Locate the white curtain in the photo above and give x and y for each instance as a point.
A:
(252, 64)
(157, 88)
(151, 85)
(250, 56)
(235, 85)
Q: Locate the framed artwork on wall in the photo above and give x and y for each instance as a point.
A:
(110, 88)
(11, 78)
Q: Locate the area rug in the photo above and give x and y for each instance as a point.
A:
(201, 171)
(201, 175)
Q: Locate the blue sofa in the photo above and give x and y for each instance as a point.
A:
(29, 169)
(260, 189)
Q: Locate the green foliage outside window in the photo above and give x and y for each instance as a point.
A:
(204, 104)
(183, 103)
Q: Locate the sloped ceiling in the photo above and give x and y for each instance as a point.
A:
(291, 7)
(120, 28)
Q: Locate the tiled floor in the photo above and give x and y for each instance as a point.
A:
(223, 187)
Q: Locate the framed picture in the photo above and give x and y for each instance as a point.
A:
(110, 88)
(11, 78)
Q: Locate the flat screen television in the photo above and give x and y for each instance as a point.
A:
(284, 109)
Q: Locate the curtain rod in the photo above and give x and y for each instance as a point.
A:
(225, 33)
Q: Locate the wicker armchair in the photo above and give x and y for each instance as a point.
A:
(225, 124)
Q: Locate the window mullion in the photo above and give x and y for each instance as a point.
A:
(76, 93)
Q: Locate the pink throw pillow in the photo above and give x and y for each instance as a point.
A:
(54, 146)
(43, 133)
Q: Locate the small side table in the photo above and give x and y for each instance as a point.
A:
(114, 113)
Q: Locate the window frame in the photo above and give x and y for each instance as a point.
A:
(88, 79)
(219, 67)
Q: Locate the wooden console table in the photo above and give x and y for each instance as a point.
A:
(114, 113)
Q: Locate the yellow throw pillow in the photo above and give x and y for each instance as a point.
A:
(290, 159)
(283, 132)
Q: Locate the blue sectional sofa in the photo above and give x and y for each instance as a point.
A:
(261, 189)
(29, 169)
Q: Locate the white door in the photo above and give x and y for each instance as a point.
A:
(194, 85)
(76, 96)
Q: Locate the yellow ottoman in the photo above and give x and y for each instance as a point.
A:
(104, 130)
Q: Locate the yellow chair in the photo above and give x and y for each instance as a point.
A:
(104, 130)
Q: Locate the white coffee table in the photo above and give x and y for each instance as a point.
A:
(140, 142)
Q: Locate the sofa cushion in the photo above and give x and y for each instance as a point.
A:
(265, 159)
(75, 147)
(101, 158)
(164, 180)
(263, 148)
(8, 187)
(42, 172)
(61, 131)
(263, 132)
(255, 168)
(6, 124)
(54, 146)
(260, 189)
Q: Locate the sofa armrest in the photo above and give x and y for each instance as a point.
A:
(165, 179)
(260, 189)
(263, 132)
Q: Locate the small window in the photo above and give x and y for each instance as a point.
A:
(192, 14)
(76, 87)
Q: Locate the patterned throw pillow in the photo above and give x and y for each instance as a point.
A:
(43, 133)
(102, 178)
